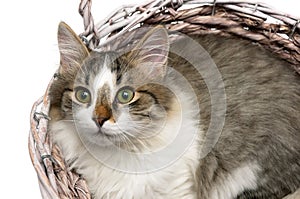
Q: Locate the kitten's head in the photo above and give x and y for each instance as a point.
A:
(114, 98)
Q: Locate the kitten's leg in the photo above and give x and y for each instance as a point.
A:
(206, 175)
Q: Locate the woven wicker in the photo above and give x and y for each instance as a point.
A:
(276, 31)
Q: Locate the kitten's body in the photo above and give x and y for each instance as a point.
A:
(256, 156)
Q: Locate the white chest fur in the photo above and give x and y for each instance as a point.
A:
(175, 181)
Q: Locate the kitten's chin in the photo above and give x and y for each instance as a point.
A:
(99, 140)
(95, 138)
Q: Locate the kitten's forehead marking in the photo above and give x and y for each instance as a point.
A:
(104, 77)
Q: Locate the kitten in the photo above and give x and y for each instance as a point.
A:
(135, 124)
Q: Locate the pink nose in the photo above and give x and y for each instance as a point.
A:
(102, 114)
(101, 120)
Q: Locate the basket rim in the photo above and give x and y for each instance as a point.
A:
(135, 14)
(281, 36)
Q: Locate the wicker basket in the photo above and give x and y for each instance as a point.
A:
(250, 21)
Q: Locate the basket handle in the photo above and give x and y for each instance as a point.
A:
(90, 30)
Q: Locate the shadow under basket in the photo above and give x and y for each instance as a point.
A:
(272, 29)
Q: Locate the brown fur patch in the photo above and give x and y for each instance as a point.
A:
(102, 113)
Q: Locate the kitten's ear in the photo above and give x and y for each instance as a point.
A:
(151, 53)
(72, 50)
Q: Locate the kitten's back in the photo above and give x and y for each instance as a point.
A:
(262, 124)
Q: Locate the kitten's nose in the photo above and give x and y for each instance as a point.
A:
(101, 120)
(102, 114)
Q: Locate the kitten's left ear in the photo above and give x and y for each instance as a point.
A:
(150, 55)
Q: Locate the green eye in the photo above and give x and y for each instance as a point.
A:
(125, 95)
(83, 95)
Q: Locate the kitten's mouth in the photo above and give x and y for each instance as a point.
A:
(105, 134)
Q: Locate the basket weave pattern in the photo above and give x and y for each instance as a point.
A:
(193, 17)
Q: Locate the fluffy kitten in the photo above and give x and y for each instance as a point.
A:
(117, 117)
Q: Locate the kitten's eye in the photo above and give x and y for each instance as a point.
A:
(125, 95)
(83, 95)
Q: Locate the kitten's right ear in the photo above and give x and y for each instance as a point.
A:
(71, 48)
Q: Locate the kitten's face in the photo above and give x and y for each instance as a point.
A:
(112, 105)
(114, 99)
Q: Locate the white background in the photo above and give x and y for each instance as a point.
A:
(29, 57)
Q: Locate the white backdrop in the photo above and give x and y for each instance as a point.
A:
(29, 58)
